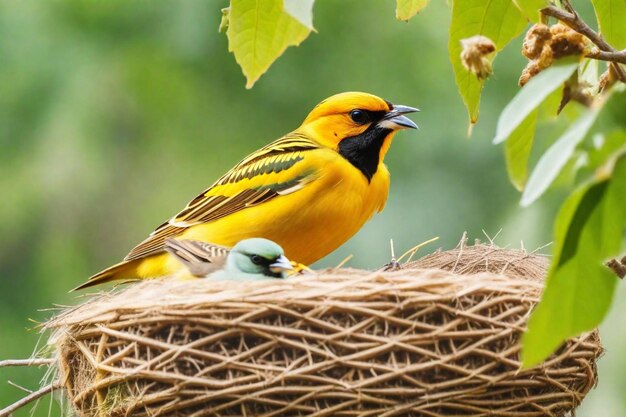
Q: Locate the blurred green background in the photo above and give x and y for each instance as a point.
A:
(114, 114)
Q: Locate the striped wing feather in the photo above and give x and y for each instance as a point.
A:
(249, 183)
(201, 258)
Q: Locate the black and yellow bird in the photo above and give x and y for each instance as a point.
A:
(309, 191)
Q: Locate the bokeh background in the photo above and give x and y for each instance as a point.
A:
(114, 114)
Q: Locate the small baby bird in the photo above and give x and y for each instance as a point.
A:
(249, 259)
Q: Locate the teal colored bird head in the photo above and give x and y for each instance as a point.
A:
(258, 258)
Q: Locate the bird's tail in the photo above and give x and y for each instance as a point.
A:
(122, 270)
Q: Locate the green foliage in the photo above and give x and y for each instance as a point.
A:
(530, 8)
(611, 16)
(498, 20)
(604, 147)
(517, 150)
(517, 122)
(259, 31)
(555, 158)
(589, 227)
(579, 288)
(406, 9)
(531, 96)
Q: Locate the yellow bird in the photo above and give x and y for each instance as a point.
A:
(309, 191)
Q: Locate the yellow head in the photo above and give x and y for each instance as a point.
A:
(359, 126)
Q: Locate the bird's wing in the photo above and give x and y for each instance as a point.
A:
(201, 258)
(273, 170)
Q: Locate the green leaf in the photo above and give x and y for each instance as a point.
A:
(611, 16)
(531, 96)
(406, 9)
(301, 10)
(614, 110)
(530, 8)
(517, 150)
(605, 146)
(550, 105)
(589, 72)
(611, 130)
(579, 288)
(259, 31)
(499, 20)
(555, 158)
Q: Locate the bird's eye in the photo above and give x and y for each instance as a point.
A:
(359, 116)
(256, 259)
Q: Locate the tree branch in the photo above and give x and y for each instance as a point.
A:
(608, 56)
(26, 390)
(26, 362)
(35, 395)
(606, 52)
(573, 20)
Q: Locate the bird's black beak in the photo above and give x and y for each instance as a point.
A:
(395, 119)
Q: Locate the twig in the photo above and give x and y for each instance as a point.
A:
(571, 18)
(415, 249)
(345, 261)
(35, 395)
(13, 384)
(619, 56)
(26, 362)
(492, 239)
(393, 264)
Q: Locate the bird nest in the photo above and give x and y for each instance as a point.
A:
(439, 337)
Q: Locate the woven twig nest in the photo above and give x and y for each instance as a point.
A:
(437, 338)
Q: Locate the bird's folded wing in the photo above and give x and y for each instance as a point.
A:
(201, 258)
(277, 169)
